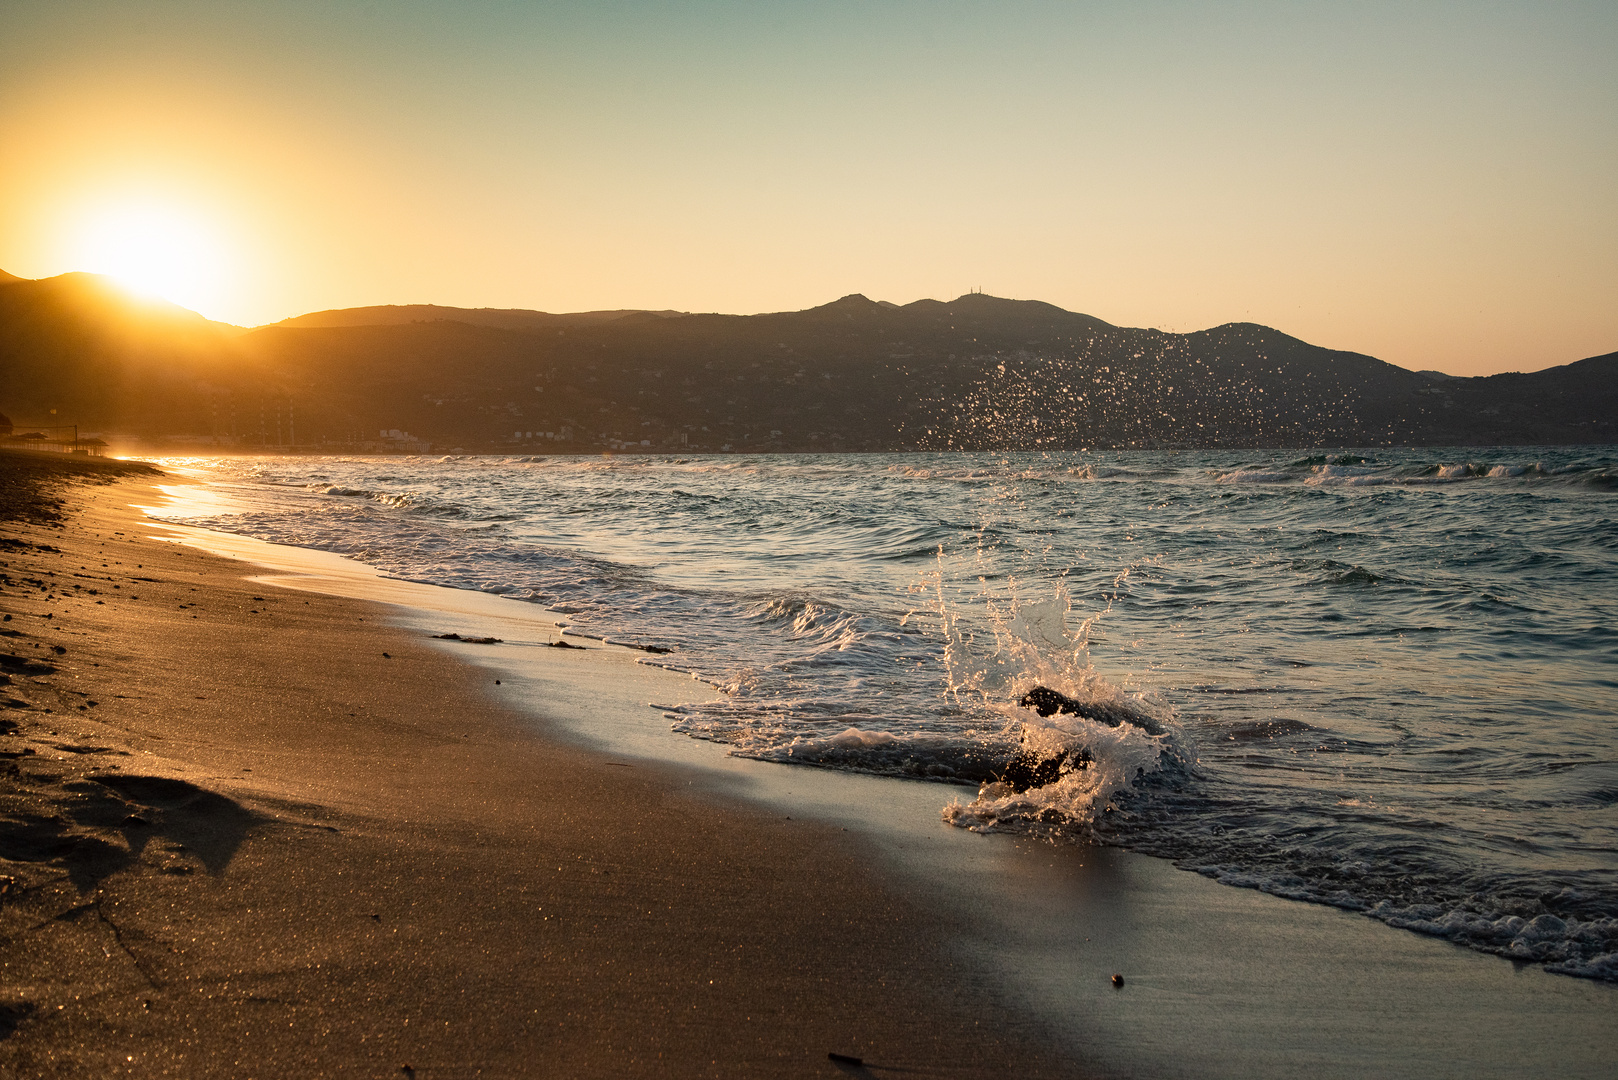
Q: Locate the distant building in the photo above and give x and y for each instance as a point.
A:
(62, 440)
(395, 441)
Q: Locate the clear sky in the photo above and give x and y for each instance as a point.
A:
(1432, 183)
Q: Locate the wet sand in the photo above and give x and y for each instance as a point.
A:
(250, 831)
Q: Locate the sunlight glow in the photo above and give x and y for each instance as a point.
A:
(155, 250)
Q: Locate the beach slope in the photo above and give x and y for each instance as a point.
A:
(250, 831)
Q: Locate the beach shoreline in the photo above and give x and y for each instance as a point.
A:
(288, 837)
(903, 941)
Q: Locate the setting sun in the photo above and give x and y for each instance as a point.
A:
(155, 251)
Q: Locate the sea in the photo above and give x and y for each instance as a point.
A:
(1383, 680)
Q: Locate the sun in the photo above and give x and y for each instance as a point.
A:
(155, 250)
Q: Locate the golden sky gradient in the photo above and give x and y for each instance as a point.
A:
(1433, 184)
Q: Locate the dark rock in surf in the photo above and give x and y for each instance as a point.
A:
(1048, 702)
(1027, 770)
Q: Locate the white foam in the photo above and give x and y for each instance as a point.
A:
(1034, 646)
(1119, 755)
(1255, 476)
(1098, 472)
(1347, 476)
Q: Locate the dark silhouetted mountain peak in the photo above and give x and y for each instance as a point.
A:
(101, 301)
(852, 302)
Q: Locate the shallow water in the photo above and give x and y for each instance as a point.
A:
(1384, 680)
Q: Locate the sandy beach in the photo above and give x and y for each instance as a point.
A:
(261, 819)
(256, 832)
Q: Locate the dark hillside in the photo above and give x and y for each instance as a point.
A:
(977, 372)
(504, 318)
(79, 345)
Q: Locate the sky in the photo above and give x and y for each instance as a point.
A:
(1435, 184)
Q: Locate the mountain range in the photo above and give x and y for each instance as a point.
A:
(975, 373)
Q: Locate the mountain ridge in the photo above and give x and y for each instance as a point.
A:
(977, 372)
(506, 318)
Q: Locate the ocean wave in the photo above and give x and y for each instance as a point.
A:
(918, 755)
(1318, 460)
(410, 501)
(1255, 476)
(802, 618)
(1337, 573)
(1600, 478)
(1352, 470)
(1564, 944)
(1569, 946)
(1326, 475)
(1102, 472)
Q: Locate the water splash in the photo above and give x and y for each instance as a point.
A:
(1071, 767)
